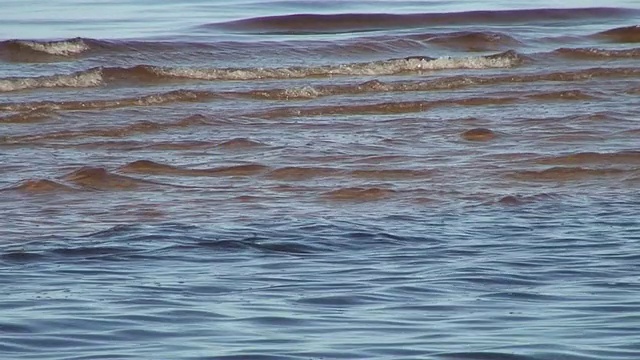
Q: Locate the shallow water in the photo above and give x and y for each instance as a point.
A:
(319, 180)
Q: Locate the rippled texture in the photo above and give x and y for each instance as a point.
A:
(319, 180)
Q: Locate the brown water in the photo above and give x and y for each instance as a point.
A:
(323, 182)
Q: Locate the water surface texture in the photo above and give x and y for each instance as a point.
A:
(320, 180)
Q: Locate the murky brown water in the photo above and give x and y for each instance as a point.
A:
(429, 184)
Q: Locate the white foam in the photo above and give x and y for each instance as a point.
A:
(60, 48)
(82, 79)
(388, 67)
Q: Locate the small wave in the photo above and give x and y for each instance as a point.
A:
(146, 100)
(359, 194)
(135, 128)
(30, 116)
(591, 158)
(441, 83)
(302, 173)
(39, 186)
(473, 41)
(566, 174)
(628, 34)
(98, 178)
(145, 74)
(563, 95)
(386, 67)
(81, 79)
(340, 23)
(391, 174)
(478, 134)
(60, 48)
(593, 53)
(150, 167)
(526, 199)
(240, 143)
(394, 107)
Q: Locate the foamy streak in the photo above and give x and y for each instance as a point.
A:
(594, 53)
(89, 78)
(59, 48)
(387, 67)
(148, 100)
(443, 83)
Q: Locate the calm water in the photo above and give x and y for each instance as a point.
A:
(319, 180)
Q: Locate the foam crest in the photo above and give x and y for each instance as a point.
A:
(386, 67)
(59, 48)
(82, 79)
(594, 53)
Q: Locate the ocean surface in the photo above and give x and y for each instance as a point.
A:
(307, 179)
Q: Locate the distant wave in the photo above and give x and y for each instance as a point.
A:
(337, 23)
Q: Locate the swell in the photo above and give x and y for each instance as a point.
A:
(147, 100)
(569, 173)
(595, 53)
(80, 79)
(148, 74)
(35, 51)
(339, 23)
(287, 173)
(29, 115)
(469, 40)
(28, 50)
(141, 127)
(84, 178)
(396, 107)
(41, 110)
(383, 67)
(627, 157)
(442, 83)
(627, 34)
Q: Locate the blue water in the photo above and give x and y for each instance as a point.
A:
(233, 180)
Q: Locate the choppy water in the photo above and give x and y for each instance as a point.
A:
(319, 180)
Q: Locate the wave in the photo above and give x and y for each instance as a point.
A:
(80, 79)
(470, 40)
(98, 178)
(357, 22)
(441, 83)
(36, 51)
(359, 194)
(399, 107)
(478, 134)
(146, 100)
(144, 74)
(141, 127)
(384, 67)
(22, 50)
(39, 186)
(594, 53)
(28, 116)
(627, 34)
(630, 157)
(150, 167)
(561, 173)
(287, 173)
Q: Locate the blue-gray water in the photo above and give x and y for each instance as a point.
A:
(319, 180)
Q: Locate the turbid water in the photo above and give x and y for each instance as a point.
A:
(319, 180)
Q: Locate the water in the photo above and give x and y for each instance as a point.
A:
(319, 180)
